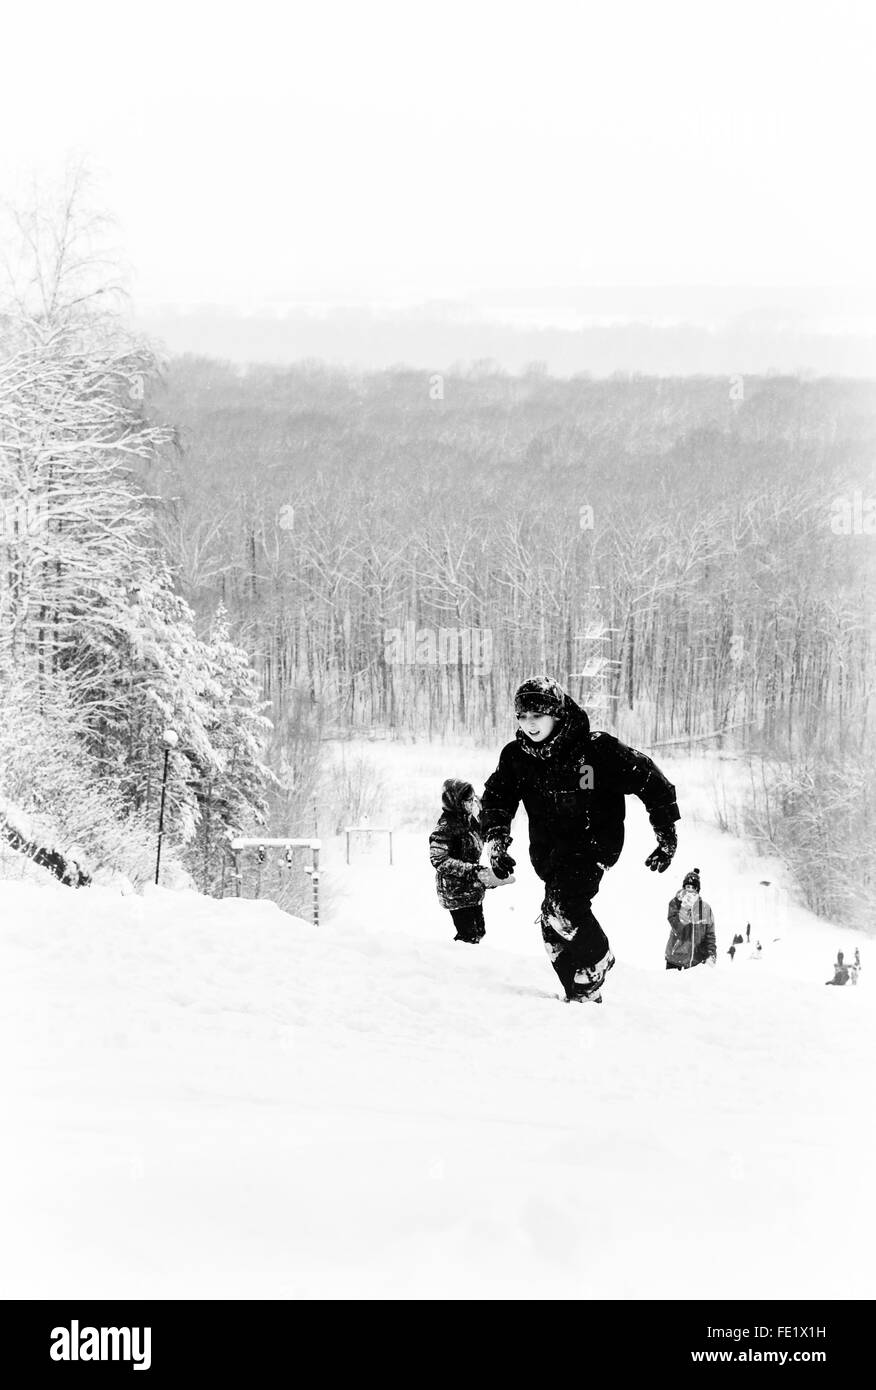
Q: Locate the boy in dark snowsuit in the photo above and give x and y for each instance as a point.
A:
(572, 782)
(455, 849)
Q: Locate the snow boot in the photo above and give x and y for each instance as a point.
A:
(582, 996)
(586, 982)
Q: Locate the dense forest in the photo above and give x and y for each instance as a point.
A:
(688, 534)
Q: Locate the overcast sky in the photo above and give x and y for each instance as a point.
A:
(265, 153)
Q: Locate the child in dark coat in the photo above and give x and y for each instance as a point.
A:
(455, 849)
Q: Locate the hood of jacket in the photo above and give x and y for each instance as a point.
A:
(454, 794)
(571, 733)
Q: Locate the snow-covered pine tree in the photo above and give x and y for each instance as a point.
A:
(231, 783)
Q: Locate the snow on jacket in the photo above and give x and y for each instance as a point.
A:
(573, 788)
(455, 849)
(692, 933)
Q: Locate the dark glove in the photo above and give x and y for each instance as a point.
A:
(661, 857)
(500, 860)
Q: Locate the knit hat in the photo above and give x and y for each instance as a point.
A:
(692, 880)
(540, 695)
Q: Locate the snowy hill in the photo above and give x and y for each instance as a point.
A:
(214, 1099)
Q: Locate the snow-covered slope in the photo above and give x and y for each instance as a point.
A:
(214, 1099)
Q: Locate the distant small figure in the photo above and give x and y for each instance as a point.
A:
(732, 952)
(840, 971)
(855, 968)
(748, 931)
(757, 953)
(737, 940)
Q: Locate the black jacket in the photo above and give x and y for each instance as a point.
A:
(454, 849)
(573, 788)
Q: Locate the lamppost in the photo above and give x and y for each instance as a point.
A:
(170, 739)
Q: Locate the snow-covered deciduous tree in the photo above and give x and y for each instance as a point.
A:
(73, 435)
(89, 620)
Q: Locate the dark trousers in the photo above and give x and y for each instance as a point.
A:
(469, 923)
(578, 947)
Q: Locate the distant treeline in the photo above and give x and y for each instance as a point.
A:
(709, 331)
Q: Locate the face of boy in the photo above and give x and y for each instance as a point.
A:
(538, 727)
(473, 805)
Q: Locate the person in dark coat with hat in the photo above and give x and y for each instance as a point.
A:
(840, 971)
(691, 927)
(572, 781)
(454, 851)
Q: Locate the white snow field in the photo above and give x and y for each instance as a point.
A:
(215, 1099)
